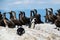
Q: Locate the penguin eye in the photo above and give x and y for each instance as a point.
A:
(34, 19)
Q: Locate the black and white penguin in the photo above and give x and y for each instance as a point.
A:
(33, 23)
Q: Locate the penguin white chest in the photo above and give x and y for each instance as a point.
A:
(32, 25)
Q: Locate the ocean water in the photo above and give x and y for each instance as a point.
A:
(42, 12)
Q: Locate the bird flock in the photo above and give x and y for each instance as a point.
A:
(50, 17)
